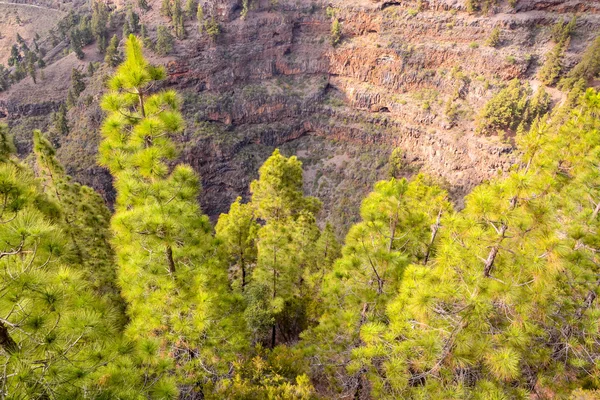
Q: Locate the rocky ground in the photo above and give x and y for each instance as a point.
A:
(274, 79)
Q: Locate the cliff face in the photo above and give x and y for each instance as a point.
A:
(407, 74)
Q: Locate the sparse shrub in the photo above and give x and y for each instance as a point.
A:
(561, 31)
(336, 32)
(552, 67)
(213, 29)
(494, 39)
(587, 68)
(504, 110)
(396, 162)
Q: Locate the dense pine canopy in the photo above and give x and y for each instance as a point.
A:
(497, 300)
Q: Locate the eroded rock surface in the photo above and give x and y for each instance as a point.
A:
(274, 79)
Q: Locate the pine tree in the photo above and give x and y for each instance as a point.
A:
(99, 24)
(199, 18)
(76, 46)
(91, 69)
(174, 285)
(164, 41)
(55, 333)
(133, 21)
(505, 110)
(77, 82)
(552, 68)
(71, 99)
(31, 67)
(15, 56)
(507, 307)
(165, 9)
(587, 68)
(61, 121)
(113, 58)
(276, 281)
(238, 232)
(400, 223)
(177, 19)
(191, 6)
(336, 32)
(85, 222)
(145, 37)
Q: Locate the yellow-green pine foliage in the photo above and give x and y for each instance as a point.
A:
(56, 333)
(400, 223)
(276, 241)
(507, 308)
(587, 69)
(238, 232)
(553, 65)
(181, 312)
(505, 110)
(85, 221)
(277, 296)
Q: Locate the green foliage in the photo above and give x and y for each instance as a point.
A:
(85, 222)
(479, 5)
(562, 31)
(238, 231)
(53, 328)
(100, 24)
(200, 17)
(165, 9)
(77, 82)
(177, 19)
(164, 41)
(113, 58)
(61, 122)
(76, 43)
(494, 38)
(212, 28)
(514, 271)
(179, 304)
(245, 8)
(553, 65)
(336, 32)
(396, 162)
(504, 110)
(268, 375)
(277, 195)
(587, 69)
(191, 6)
(398, 227)
(132, 21)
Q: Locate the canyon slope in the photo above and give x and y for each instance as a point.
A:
(407, 75)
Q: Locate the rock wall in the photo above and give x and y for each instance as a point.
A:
(274, 79)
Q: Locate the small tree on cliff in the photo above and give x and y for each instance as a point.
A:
(200, 17)
(336, 32)
(113, 58)
(164, 41)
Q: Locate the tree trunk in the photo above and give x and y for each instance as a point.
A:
(170, 260)
(434, 230)
(273, 331)
(589, 300)
(489, 263)
(6, 341)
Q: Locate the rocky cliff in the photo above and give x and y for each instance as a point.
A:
(406, 74)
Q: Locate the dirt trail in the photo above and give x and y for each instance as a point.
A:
(27, 5)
